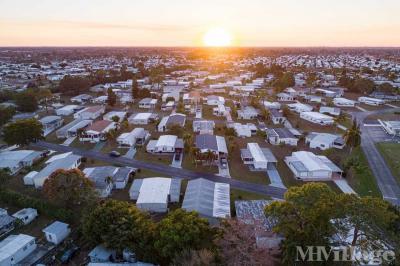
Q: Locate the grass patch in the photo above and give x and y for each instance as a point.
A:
(359, 175)
(142, 155)
(391, 152)
(187, 163)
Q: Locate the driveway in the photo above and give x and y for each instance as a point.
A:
(130, 154)
(167, 170)
(387, 184)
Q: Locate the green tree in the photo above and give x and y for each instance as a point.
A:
(69, 188)
(119, 225)
(135, 88)
(112, 97)
(6, 113)
(180, 231)
(44, 96)
(157, 75)
(314, 215)
(304, 218)
(26, 101)
(23, 132)
(352, 136)
(74, 85)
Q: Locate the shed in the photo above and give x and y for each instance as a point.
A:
(56, 232)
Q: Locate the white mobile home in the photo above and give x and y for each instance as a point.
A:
(142, 118)
(153, 194)
(278, 136)
(16, 160)
(92, 112)
(249, 112)
(307, 166)
(148, 103)
(165, 144)
(300, 107)
(67, 110)
(64, 161)
(97, 131)
(137, 136)
(173, 119)
(203, 126)
(371, 101)
(51, 123)
(26, 215)
(71, 129)
(343, 102)
(210, 199)
(256, 157)
(15, 248)
(317, 118)
(120, 114)
(324, 141)
(215, 100)
(391, 127)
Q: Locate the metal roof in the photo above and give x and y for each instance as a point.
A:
(208, 198)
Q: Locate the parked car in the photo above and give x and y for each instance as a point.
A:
(115, 154)
(68, 254)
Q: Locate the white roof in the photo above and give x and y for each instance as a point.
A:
(256, 152)
(343, 100)
(10, 245)
(154, 190)
(317, 115)
(167, 140)
(221, 144)
(58, 156)
(310, 161)
(142, 116)
(222, 206)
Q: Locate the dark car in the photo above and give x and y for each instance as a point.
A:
(68, 254)
(115, 154)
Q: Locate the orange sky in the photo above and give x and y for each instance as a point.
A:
(184, 22)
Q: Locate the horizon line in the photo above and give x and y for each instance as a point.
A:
(188, 46)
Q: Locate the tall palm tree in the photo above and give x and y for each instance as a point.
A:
(352, 136)
(209, 157)
(188, 141)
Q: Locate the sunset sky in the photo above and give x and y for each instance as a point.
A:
(185, 22)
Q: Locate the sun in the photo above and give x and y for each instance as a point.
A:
(217, 37)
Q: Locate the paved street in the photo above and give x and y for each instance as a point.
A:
(273, 192)
(387, 183)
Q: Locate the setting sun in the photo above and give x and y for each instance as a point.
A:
(217, 37)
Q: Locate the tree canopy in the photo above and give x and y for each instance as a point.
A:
(6, 113)
(69, 188)
(314, 215)
(26, 101)
(119, 225)
(180, 231)
(74, 85)
(23, 132)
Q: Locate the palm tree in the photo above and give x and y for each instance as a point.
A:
(188, 141)
(194, 151)
(115, 119)
(352, 136)
(209, 157)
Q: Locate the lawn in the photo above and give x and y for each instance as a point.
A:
(391, 152)
(142, 155)
(359, 175)
(188, 164)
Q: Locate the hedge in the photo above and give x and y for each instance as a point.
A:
(22, 201)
